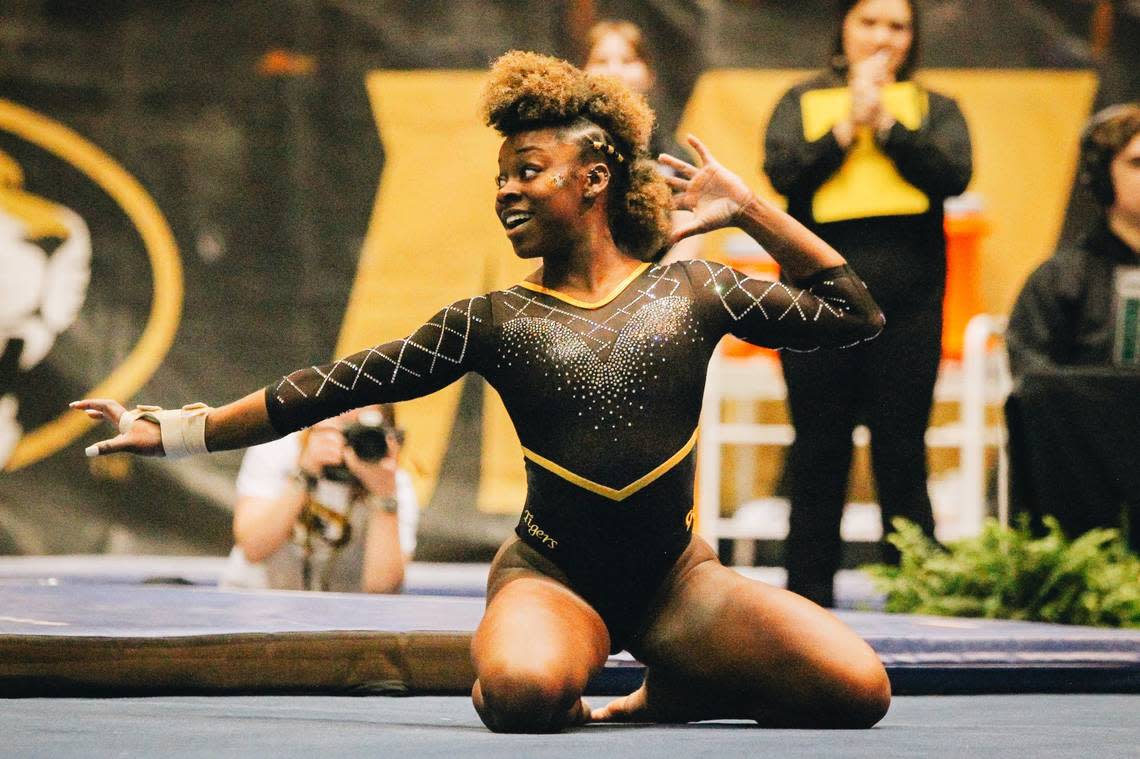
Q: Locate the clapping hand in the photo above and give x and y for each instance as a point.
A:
(867, 80)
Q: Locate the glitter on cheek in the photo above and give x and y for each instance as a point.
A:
(558, 180)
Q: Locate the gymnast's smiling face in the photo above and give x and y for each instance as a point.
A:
(544, 192)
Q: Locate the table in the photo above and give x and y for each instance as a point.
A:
(1074, 445)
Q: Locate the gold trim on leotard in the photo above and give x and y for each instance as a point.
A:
(586, 304)
(614, 494)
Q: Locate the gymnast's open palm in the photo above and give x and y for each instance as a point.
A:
(142, 438)
(711, 192)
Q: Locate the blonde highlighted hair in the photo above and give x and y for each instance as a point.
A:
(529, 91)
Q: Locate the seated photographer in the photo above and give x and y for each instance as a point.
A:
(327, 508)
(1074, 349)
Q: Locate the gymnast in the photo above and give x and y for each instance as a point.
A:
(600, 358)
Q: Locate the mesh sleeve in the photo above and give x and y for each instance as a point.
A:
(436, 354)
(831, 309)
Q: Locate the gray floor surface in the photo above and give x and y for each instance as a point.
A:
(1085, 726)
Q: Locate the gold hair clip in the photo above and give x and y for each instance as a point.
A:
(601, 146)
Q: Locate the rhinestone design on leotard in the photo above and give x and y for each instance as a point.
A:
(608, 390)
(605, 391)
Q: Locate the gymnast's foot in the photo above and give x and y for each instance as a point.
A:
(669, 703)
(661, 706)
(673, 699)
(631, 708)
(581, 715)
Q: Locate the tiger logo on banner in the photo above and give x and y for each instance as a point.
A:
(46, 256)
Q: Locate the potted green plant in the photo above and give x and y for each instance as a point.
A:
(1008, 573)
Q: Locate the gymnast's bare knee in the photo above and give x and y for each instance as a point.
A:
(527, 697)
(862, 697)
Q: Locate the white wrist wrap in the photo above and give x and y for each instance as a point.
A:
(183, 430)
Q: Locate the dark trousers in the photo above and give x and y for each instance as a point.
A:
(888, 385)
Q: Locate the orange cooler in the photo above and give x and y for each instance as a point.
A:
(965, 227)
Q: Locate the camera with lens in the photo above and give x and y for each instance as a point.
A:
(325, 524)
(368, 439)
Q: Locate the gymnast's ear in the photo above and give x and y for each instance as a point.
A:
(597, 179)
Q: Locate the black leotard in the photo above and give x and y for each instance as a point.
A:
(605, 398)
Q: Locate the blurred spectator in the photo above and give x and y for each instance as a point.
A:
(1064, 315)
(865, 157)
(325, 509)
(1074, 346)
(619, 49)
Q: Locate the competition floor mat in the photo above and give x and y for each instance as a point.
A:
(60, 637)
(853, 589)
(446, 727)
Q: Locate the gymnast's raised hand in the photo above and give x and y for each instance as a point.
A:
(716, 198)
(713, 194)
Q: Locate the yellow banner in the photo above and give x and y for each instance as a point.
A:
(433, 239)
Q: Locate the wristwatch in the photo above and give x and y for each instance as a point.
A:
(385, 503)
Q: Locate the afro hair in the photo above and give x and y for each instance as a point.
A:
(528, 91)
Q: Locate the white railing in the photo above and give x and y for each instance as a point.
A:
(986, 382)
(980, 381)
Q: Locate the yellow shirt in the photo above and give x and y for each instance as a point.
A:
(867, 183)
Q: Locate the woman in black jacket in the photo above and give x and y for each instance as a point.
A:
(865, 157)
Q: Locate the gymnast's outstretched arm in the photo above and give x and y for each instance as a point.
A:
(243, 422)
(439, 352)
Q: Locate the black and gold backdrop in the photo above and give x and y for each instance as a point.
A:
(197, 196)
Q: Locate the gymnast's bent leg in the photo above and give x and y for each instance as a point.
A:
(535, 649)
(721, 646)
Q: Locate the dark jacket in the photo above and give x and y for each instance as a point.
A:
(902, 258)
(1063, 315)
